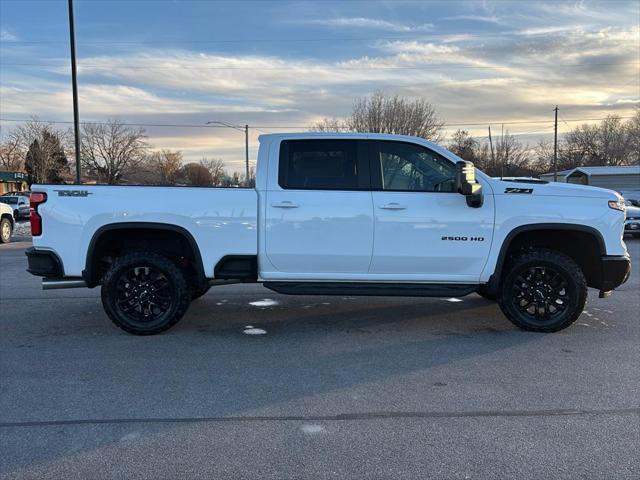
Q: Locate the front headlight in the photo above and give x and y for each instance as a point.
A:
(617, 205)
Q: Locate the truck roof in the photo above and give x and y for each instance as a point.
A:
(346, 135)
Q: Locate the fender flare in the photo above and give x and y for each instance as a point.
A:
(87, 273)
(497, 271)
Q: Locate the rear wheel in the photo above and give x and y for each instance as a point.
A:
(544, 291)
(5, 230)
(145, 293)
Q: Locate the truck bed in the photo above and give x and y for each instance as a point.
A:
(222, 221)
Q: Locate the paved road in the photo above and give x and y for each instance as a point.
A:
(336, 388)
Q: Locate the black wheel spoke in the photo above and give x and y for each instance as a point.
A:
(540, 293)
(143, 294)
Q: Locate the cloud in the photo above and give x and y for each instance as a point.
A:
(7, 36)
(515, 76)
(371, 23)
(475, 18)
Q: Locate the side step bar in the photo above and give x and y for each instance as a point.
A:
(372, 289)
(57, 283)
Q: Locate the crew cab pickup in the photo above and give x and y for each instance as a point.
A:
(336, 214)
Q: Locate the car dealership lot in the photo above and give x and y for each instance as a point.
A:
(337, 387)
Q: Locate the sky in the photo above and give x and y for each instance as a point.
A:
(283, 65)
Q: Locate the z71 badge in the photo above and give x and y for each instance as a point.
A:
(518, 190)
(73, 193)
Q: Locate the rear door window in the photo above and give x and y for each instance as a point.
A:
(324, 164)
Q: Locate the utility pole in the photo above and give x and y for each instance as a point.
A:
(555, 146)
(246, 154)
(505, 151)
(74, 85)
(493, 158)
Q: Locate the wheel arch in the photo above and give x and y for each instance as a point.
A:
(91, 271)
(576, 241)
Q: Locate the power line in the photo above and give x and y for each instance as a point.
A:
(321, 67)
(271, 127)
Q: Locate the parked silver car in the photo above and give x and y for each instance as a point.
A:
(19, 204)
(632, 219)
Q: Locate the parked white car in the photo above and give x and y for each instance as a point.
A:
(19, 204)
(6, 223)
(336, 214)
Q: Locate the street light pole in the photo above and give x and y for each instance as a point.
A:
(244, 129)
(74, 86)
(246, 154)
(555, 146)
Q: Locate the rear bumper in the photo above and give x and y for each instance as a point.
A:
(44, 263)
(632, 226)
(615, 271)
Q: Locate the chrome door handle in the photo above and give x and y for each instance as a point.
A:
(393, 206)
(285, 204)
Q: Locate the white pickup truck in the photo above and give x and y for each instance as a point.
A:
(336, 214)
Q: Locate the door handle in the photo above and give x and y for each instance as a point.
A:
(393, 206)
(285, 204)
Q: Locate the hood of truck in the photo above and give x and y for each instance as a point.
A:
(553, 189)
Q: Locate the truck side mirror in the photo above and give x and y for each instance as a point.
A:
(467, 185)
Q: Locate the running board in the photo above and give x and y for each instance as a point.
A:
(372, 289)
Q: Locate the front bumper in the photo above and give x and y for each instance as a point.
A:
(44, 263)
(615, 271)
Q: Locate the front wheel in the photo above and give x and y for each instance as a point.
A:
(145, 293)
(5, 230)
(544, 291)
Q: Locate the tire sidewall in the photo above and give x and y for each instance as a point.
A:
(180, 294)
(4, 239)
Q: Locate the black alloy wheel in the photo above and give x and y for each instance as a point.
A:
(145, 293)
(543, 291)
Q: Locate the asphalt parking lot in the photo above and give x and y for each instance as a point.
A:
(337, 387)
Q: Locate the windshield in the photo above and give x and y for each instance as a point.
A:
(9, 200)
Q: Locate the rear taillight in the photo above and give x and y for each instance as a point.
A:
(35, 199)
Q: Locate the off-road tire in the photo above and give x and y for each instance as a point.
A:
(547, 261)
(484, 292)
(6, 229)
(174, 286)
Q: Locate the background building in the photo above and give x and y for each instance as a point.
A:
(13, 182)
(623, 179)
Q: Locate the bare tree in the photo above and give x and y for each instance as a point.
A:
(216, 169)
(11, 154)
(45, 159)
(112, 150)
(328, 125)
(464, 145)
(195, 174)
(610, 142)
(165, 166)
(381, 113)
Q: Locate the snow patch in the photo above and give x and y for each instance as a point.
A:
(130, 436)
(312, 429)
(267, 302)
(251, 330)
(453, 299)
